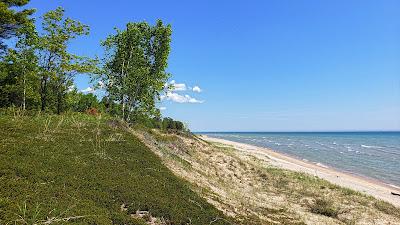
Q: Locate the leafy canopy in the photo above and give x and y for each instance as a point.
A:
(137, 58)
(11, 20)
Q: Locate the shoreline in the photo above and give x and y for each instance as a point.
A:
(365, 185)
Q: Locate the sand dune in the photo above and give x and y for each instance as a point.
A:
(364, 185)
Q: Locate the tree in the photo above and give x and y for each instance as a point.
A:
(80, 102)
(168, 124)
(20, 81)
(12, 20)
(58, 66)
(135, 67)
(26, 60)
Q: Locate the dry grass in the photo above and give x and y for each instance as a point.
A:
(253, 191)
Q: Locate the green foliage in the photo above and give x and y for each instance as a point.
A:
(172, 125)
(20, 84)
(135, 67)
(80, 102)
(12, 20)
(79, 168)
(387, 208)
(324, 207)
(57, 65)
(39, 70)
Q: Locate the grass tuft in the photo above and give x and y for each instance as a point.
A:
(324, 207)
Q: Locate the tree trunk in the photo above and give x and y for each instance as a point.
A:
(122, 90)
(24, 83)
(24, 97)
(43, 89)
(59, 102)
(43, 93)
(126, 117)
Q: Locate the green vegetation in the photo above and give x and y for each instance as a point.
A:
(57, 66)
(172, 125)
(37, 72)
(134, 71)
(11, 19)
(324, 207)
(387, 208)
(82, 169)
(255, 191)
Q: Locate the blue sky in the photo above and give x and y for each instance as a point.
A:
(266, 65)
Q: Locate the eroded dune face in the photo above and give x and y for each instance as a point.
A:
(253, 189)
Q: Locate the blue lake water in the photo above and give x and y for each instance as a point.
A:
(370, 154)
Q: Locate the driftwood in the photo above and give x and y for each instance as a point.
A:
(393, 193)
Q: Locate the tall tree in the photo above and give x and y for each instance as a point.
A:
(58, 66)
(11, 20)
(27, 61)
(20, 82)
(137, 58)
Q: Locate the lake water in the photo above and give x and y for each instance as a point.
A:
(369, 154)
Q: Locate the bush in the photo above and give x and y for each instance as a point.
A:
(172, 125)
(92, 111)
(324, 207)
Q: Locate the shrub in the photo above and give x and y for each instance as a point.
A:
(324, 207)
(386, 208)
(172, 125)
(92, 111)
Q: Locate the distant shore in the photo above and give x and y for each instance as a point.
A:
(364, 185)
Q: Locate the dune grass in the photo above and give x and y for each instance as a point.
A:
(77, 169)
(254, 191)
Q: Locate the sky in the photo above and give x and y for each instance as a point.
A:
(265, 65)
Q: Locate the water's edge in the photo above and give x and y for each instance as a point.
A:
(371, 155)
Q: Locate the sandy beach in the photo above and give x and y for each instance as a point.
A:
(367, 186)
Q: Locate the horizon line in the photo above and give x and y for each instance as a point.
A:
(320, 131)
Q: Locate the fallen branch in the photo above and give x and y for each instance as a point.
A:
(393, 193)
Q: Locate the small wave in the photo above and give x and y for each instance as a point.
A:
(371, 146)
(277, 143)
(392, 185)
(322, 165)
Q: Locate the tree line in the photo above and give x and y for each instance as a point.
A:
(37, 69)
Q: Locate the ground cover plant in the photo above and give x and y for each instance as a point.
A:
(82, 169)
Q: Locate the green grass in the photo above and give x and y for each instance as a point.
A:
(76, 169)
(324, 207)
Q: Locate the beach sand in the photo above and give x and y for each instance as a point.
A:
(367, 186)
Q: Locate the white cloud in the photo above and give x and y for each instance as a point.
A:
(87, 90)
(163, 108)
(177, 86)
(101, 84)
(175, 97)
(71, 88)
(196, 89)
